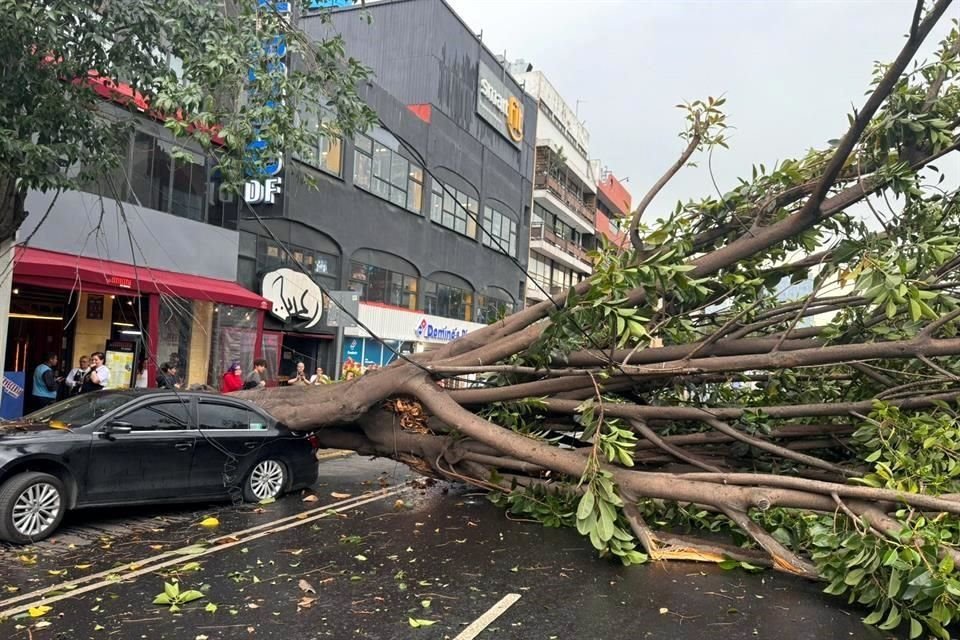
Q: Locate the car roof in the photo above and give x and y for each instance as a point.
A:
(134, 394)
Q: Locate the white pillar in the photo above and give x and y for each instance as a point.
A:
(6, 287)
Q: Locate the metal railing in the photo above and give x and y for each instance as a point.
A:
(572, 200)
(541, 232)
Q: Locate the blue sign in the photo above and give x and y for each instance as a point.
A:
(329, 4)
(11, 402)
(428, 331)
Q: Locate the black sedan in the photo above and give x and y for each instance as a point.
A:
(135, 447)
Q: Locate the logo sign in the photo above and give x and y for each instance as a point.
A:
(498, 105)
(11, 388)
(265, 182)
(293, 295)
(428, 331)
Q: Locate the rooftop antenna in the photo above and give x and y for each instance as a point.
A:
(576, 109)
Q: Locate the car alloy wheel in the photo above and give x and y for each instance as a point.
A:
(36, 510)
(267, 479)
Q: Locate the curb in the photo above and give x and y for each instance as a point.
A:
(333, 454)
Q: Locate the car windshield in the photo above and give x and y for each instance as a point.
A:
(80, 410)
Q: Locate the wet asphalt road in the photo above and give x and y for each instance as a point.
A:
(434, 553)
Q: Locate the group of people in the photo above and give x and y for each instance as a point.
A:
(93, 375)
(90, 375)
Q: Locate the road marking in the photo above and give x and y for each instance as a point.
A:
(137, 568)
(484, 621)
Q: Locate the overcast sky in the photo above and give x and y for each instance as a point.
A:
(790, 71)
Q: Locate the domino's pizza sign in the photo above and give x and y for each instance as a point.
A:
(265, 181)
(429, 332)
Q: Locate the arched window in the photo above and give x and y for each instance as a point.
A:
(493, 303)
(454, 205)
(384, 278)
(447, 295)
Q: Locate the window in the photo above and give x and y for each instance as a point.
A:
(161, 416)
(326, 148)
(376, 284)
(447, 301)
(380, 168)
(490, 307)
(454, 209)
(539, 270)
(502, 229)
(324, 266)
(149, 173)
(225, 416)
(188, 196)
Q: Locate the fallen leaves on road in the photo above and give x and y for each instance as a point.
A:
(82, 566)
(340, 496)
(210, 523)
(25, 559)
(310, 498)
(306, 586)
(305, 602)
(41, 610)
(416, 623)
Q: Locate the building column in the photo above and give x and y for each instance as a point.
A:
(7, 252)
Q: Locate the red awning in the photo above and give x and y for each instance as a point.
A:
(93, 275)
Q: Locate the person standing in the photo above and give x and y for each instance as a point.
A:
(319, 377)
(45, 382)
(168, 377)
(97, 376)
(300, 379)
(233, 379)
(255, 378)
(74, 379)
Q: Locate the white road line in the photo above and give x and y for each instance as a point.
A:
(484, 621)
(299, 520)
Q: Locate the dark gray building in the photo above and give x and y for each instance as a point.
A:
(418, 214)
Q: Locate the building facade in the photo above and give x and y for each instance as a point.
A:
(426, 216)
(425, 219)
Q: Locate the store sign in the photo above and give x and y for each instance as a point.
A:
(266, 183)
(293, 295)
(438, 333)
(498, 106)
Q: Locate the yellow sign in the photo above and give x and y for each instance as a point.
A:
(515, 119)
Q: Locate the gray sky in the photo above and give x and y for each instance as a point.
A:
(790, 71)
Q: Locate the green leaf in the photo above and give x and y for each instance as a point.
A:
(893, 586)
(915, 628)
(915, 311)
(211, 607)
(874, 617)
(416, 623)
(172, 590)
(854, 577)
(163, 599)
(190, 596)
(586, 505)
(893, 620)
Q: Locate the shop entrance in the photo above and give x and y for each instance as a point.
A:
(312, 351)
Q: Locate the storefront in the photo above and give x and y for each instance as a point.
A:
(140, 316)
(401, 331)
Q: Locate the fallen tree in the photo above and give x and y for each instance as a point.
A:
(680, 392)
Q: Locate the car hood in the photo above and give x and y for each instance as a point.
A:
(19, 430)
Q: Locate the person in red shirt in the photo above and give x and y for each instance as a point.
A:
(232, 379)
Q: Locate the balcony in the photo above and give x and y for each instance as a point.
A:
(569, 254)
(568, 205)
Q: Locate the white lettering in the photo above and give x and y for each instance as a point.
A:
(266, 192)
(494, 96)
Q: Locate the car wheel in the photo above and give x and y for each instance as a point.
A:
(266, 480)
(31, 507)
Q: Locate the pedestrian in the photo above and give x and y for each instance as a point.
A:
(255, 379)
(142, 381)
(74, 379)
(97, 376)
(319, 377)
(233, 378)
(300, 379)
(45, 382)
(168, 377)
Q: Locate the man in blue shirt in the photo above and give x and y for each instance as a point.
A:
(45, 382)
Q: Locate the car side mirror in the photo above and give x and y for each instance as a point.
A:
(116, 427)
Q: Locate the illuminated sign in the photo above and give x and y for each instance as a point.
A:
(498, 105)
(427, 331)
(266, 183)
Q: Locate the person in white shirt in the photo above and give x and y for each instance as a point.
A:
(74, 379)
(98, 376)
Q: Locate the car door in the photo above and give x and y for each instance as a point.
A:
(152, 461)
(231, 438)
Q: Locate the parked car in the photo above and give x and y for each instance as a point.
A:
(134, 447)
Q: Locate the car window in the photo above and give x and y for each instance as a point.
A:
(172, 415)
(79, 410)
(226, 416)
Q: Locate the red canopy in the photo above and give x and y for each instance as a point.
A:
(94, 275)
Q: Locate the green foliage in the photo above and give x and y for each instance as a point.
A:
(174, 598)
(52, 122)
